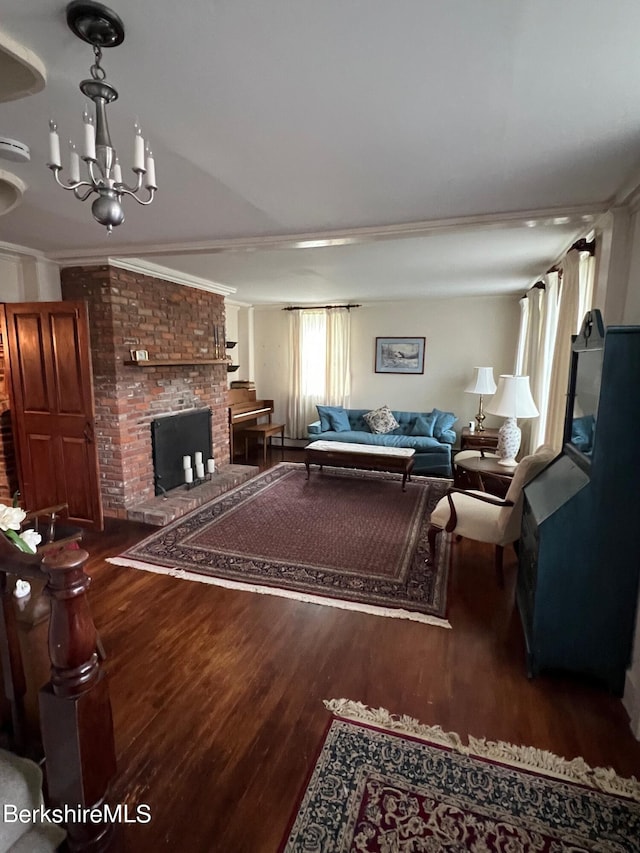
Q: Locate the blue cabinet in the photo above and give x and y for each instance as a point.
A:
(579, 551)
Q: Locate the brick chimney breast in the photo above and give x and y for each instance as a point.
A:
(129, 310)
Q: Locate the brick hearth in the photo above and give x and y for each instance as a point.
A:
(128, 311)
(160, 510)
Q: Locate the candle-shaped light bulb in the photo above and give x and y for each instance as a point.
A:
(74, 164)
(89, 135)
(54, 145)
(138, 150)
(117, 172)
(150, 177)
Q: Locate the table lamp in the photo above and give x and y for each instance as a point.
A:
(482, 383)
(512, 400)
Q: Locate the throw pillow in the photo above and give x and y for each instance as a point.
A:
(381, 420)
(444, 421)
(339, 420)
(324, 413)
(424, 424)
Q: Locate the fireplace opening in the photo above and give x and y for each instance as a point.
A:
(173, 437)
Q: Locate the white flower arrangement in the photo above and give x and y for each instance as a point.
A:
(11, 517)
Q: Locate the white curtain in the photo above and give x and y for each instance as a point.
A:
(534, 353)
(519, 366)
(545, 357)
(338, 357)
(574, 300)
(319, 364)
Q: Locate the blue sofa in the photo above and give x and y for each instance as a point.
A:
(429, 433)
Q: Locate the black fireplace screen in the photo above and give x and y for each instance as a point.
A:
(176, 436)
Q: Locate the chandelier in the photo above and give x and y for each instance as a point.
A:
(99, 26)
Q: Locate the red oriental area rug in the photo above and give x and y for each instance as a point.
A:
(349, 539)
(385, 784)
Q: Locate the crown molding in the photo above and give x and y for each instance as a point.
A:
(157, 271)
(628, 195)
(142, 267)
(21, 251)
(315, 239)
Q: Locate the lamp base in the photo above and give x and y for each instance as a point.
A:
(509, 436)
(480, 417)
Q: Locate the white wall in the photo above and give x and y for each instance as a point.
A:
(460, 334)
(25, 278)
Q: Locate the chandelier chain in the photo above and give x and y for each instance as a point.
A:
(97, 71)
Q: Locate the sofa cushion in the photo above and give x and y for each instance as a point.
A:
(324, 413)
(424, 424)
(381, 420)
(444, 421)
(339, 420)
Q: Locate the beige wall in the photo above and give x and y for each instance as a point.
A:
(460, 334)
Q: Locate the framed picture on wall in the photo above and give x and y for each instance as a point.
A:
(400, 355)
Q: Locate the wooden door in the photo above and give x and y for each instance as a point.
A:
(52, 408)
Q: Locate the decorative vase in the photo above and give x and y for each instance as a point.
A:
(508, 442)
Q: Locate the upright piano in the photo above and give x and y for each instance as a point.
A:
(245, 414)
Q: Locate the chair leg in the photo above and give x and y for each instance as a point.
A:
(432, 534)
(499, 559)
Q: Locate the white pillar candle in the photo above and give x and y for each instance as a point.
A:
(186, 462)
(200, 471)
(150, 177)
(138, 149)
(74, 165)
(211, 466)
(188, 475)
(89, 137)
(54, 145)
(198, 457)
(117, 172)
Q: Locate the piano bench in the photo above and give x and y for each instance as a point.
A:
(266, 431)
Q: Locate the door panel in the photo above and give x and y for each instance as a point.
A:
(53, 408)
(76, 457)
(41, 455)
(66, 365)
(33, 375)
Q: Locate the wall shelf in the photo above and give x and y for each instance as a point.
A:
(157, 362)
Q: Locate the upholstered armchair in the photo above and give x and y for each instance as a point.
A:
(484, 517)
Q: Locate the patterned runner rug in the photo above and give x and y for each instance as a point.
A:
(384, 784)
(349, 539)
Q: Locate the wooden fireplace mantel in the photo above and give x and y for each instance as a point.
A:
(156, 362)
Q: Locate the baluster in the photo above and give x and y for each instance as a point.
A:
(75, 709)
(12, 669)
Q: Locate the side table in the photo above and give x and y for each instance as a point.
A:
(483, 474)
(487, 439)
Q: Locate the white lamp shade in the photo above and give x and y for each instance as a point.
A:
(513, 399)
(483, 382)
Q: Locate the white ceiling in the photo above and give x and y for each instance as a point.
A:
(483, 122)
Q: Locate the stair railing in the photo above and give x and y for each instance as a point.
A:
(75, 709)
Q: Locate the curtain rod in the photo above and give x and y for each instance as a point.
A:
(308, 307)
(585, 245)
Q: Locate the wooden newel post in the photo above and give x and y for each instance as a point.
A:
(75, 709)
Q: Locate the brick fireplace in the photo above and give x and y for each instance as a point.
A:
(132, 311)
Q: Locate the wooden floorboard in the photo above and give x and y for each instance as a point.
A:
(217, 694)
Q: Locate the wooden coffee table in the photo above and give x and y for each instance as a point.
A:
(341, 454)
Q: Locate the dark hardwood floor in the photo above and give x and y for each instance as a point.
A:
(217, 694)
